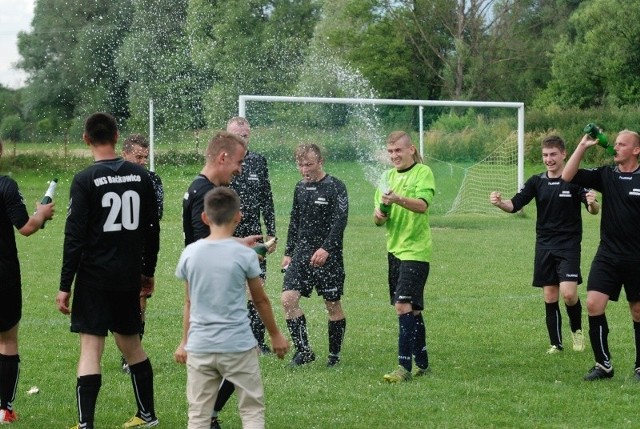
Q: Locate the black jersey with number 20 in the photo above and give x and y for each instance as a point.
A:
(112, 225)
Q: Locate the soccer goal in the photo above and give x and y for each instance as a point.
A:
(502, 170)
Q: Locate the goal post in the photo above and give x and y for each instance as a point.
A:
(519, 106)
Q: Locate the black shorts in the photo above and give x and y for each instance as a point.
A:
(407, 280)
(610, 275)
(551, 267)
(328, 279)
(10, 302)
(97, 311)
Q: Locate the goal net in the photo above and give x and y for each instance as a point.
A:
(497, 172)
(502, 170)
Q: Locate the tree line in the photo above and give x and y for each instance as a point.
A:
(196, 56)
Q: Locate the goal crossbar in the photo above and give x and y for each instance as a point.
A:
(242, 105)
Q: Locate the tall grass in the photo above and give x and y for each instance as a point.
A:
(485, 330)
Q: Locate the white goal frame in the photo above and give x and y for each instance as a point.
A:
(242, 110)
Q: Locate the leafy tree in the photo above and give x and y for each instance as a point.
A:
(598, 61)
(252, 47)
(155, 60)
(69, 56)
(12, 127)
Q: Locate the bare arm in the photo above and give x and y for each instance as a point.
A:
(572, 166)
(180, 355)
(416, 205)
(593, 206)
(43, 212)
(495, 198)
(263, 305)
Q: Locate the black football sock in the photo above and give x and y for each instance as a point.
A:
(257, 327)
(575, 316)
(598, 334)
(554, 323)
(142, 380)
(224, 393)
(636, 334)
(87, 389)
(298, 330)
(420, 343)
(336, 330)
(406, 332)
(9, 373)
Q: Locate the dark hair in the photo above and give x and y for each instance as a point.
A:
(224, 141)
(134, 140)
(303, 149)
(101, 128)
(221, 204)
(554, 141)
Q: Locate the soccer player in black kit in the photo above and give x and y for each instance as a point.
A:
(558, 238)
(617, 260)
(254, 188)
(224, 159)
(13, 214)
(313, 254)
(110, 247)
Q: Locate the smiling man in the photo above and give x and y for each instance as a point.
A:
(411, 187)
(558, 237)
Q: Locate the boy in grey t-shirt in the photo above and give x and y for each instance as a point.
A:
(217, 336)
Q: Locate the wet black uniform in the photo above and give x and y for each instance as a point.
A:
(254, 188)
(192, 207)
(112, 224)
(13, 213)
(159, 190)
(318, 219)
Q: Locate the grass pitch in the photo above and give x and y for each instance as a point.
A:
(485, 330)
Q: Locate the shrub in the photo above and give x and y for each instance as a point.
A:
(12, 127)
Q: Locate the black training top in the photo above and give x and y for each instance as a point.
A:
(159, 190)
(559, 221)
(112, 225)
(254, 188)
(318, 217)
(192, 207)
(620, 219)
(13, 213)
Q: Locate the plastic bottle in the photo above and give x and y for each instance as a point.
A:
(48, 196)
(594, 132)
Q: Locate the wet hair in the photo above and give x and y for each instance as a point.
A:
(396, 136)
(134, 140)
(238, 120)
(101, 128)
(304, 149)
(221, 204)
(224, 141)
(553, 141)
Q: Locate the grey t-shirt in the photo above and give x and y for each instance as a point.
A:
(216, 271)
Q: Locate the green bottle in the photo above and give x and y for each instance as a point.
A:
(385, 209)
(263, 248)
(594, 132)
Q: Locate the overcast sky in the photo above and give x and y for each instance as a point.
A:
(15, 16)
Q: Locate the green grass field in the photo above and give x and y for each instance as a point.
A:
(485, 330)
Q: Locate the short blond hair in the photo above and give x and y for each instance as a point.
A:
(224, 141)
